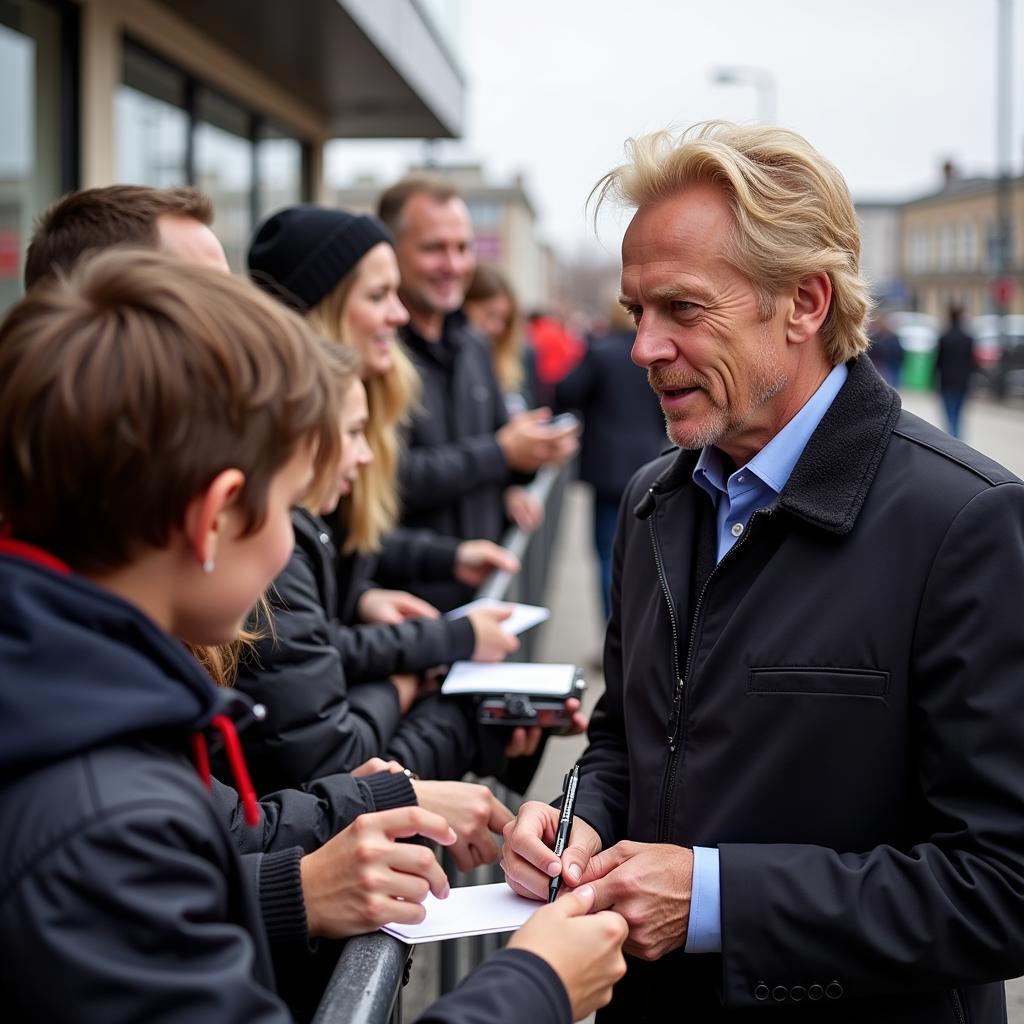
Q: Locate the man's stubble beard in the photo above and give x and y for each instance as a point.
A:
(768, 380)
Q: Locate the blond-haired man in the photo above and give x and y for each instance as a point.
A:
(805, 783)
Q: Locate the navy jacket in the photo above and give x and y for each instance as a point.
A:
(122, 896)
(837, 707)
(623, 425)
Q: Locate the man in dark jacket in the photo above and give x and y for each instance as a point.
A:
(463, 451)
(805, 780)
(954, 364)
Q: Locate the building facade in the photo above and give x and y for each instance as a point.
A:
(235, 96)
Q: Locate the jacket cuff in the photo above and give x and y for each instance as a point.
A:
(461, 639)
(390, 789)
(281, 902)
(439, 558)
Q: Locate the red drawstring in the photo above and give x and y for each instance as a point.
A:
(202, 758)
(10, 546)
(238, 767)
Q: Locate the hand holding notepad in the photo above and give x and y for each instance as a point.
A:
(468, 910)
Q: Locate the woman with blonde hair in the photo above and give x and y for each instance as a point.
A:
(339, 270)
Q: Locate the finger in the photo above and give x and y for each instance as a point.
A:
(598, 865)
(485, 848)
(403, 912)
(370, 767)
(533, 736)
(499, 817)
(395, 768)
(528, 845)
(463, 855)
(406, 885)
(576, 902)
(515, 746)
(503, 559)
(403, 822)
(523, 877)
(419, 862)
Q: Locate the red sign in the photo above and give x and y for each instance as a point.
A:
(10, 245)
(1002, 291)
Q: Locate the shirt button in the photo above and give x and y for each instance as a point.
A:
(737, 529)
(325, 538)
(740, 479)
(761, 991)
(833, 990)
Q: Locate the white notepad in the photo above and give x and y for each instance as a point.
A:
(539, 680)
(468, 910)
(523, 617)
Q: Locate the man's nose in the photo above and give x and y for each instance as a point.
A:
(652, 344)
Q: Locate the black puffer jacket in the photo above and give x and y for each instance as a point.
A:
(315, 723)
(408, 558)
(837, 707)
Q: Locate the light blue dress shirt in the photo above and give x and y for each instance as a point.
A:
(755, 485)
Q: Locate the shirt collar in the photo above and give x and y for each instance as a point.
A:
(774, 463)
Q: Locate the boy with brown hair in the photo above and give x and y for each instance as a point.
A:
(157, 422)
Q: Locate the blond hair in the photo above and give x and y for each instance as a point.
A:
(507, 351)
(792, 212)
(372, 509)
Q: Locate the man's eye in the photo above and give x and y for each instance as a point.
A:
(680, 306)
(635, 312)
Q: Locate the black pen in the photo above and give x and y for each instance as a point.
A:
(569, 787)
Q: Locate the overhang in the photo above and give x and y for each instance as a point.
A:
(369, 68)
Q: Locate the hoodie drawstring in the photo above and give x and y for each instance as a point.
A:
(236, 759)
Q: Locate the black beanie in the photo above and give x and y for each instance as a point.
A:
(300, 253)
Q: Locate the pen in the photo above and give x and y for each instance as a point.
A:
(569, 787)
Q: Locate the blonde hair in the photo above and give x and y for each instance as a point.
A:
(792, 212)
(372, 509)
(507, 352)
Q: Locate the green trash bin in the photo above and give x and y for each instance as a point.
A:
(919, 369)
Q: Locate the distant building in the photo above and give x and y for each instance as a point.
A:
(237, 97)
(950, 247)
(504, 222)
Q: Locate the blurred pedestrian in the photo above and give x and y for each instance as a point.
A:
(954, 364)
(623, 428)
(556, 349)
(886, 350)
(491, 308)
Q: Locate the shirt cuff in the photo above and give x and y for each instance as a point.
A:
(390, 789)
(280, 893)
(704, 934)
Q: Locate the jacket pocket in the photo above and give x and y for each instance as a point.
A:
(819, 682)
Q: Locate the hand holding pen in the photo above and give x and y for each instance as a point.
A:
(565, 821)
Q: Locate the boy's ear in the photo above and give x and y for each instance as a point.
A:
(206, 515)
(812, 298)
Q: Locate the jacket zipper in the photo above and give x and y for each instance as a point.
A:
(671, 769)
(958, 1007)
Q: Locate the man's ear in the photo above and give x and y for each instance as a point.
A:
(812, 298)
(207, 515)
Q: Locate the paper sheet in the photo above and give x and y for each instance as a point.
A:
(540, 680)
(468, 910)
(523, 617)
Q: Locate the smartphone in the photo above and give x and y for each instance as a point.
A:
(562, 421)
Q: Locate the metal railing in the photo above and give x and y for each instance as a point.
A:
(366, 985)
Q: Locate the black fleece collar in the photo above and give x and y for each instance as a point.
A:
(829, 483)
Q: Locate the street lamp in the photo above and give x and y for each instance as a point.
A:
(762, 80)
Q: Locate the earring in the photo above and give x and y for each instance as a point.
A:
(208, 566)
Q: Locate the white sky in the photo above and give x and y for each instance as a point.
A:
(887, 89)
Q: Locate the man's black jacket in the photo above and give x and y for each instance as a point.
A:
(837, 706)
(453, 474)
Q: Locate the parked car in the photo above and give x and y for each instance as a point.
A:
(999, 353)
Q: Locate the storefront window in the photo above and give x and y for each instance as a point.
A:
(30, 123)
(152, 122)
(224, 171)
(280, 166)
